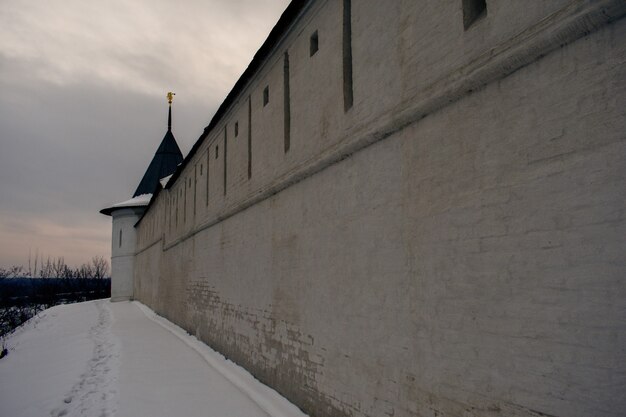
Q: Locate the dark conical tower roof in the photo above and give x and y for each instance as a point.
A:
(164, 163)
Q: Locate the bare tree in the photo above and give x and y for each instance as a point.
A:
(46, 269)
(58, 267)
(34, 274)
(84, 271)
(100, 267)
(11, 272)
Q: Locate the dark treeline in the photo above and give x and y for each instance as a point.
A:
(22, 296)
(52, 291)
(97, 268)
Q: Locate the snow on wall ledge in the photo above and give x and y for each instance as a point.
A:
(469, 263)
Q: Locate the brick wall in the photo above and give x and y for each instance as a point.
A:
(432, 251)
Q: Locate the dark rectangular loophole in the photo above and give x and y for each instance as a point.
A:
(249, 137)
(313, 44)
(266, 95)
(236, 129)
(472, 11)
(225, 156)
(347, 55)
(208, 157)
(287, 104)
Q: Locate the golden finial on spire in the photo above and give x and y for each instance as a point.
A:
(170, 97)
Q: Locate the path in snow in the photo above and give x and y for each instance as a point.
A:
(162, 376)
(101, 359)
(47, 356)
(94, 394)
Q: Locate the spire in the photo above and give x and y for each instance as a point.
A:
(165, 160)
(170, 97)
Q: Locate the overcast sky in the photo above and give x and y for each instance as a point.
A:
(83, 107)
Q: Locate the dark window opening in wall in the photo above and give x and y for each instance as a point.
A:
(287, 105)
(189, 182)
(200, 169)
(313, 44)
(348, 99)
(249, 137)
(120, 243)
(472, 11)
(266, 95)
(236, 129)
(217, 151)
(225, 156)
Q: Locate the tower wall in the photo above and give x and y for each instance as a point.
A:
(123, 246)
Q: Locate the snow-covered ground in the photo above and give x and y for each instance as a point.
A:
(101, 359)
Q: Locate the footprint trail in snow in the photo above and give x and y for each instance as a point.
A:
(97, 387)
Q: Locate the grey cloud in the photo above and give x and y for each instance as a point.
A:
(83, 106)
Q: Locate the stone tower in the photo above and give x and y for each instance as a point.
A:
(126, 214)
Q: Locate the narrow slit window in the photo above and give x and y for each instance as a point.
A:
(120, 243)
(313, 44)
(249, 137)
(266, 95)
(225, 157)
(472, 11)
(236, 129)
(287, 105)
(348, 99)
(200, 169)
(217, 151)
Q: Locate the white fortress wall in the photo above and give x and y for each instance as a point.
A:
(123, 248)
(431, 250)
